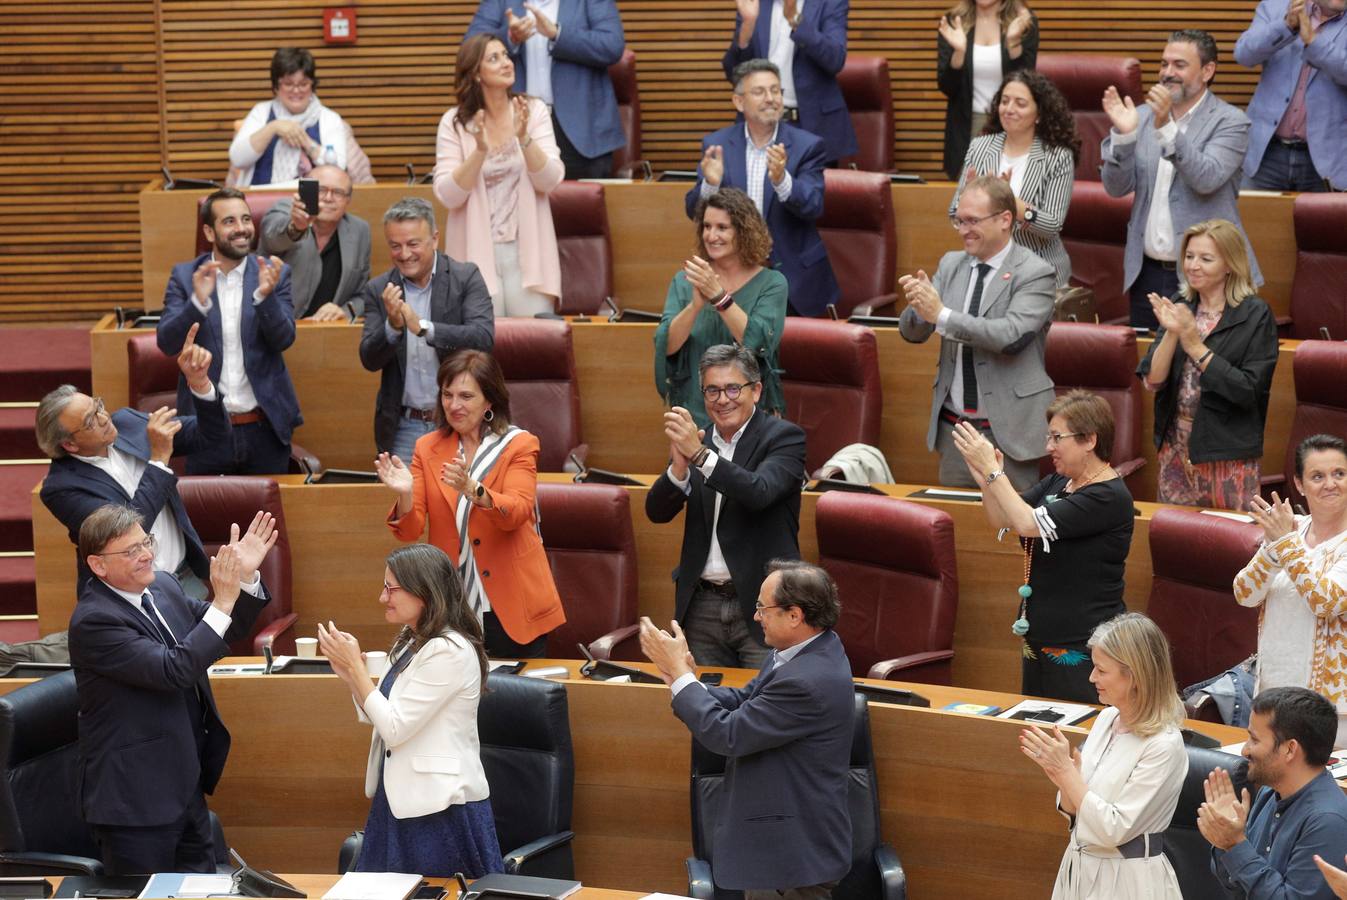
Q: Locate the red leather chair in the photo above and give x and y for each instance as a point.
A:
(1319, 285)
(588, 534)
(1320, 370)
(1095, 236)
(627, 160)
(1102, 359)
(1082, 80)
(581, 221)
(258, 204)
(858, 228)
(538, 360)
(214, 503)
(1195, 557)
(893, 561)
(832, 385)
(864, 81)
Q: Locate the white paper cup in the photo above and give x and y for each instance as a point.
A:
(306, 647)
(377, 662)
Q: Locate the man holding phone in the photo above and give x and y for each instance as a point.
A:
(417, 314)
(328, 249)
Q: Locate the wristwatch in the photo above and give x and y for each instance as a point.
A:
(1030, 214)
(992, 476)
(480, 491)
(422, 332)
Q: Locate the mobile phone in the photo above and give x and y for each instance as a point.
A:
(711, 679)
(308, 192)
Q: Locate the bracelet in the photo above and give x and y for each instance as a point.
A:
(700, 457)
(725, 302)
(524, 144)
(1205, 356)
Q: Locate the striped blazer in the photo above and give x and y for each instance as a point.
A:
(1047, 188)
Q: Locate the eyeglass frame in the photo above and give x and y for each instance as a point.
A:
(759, 607)
(333, 193)
(1053, 438)
(712, 392)
(761, 92)
(149, 545)
(90, 422)
(959, 224)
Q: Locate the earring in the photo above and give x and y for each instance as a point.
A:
(488, 416)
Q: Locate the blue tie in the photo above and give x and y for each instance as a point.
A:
(165, 635)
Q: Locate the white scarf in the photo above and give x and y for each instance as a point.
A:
(285, 158)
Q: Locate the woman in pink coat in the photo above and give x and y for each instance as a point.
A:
(496, 161)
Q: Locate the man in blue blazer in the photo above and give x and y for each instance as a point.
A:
(781, 168)
(562, 50)
(151, 742)
(243, 306)
(122, 457)
(808, 44)
(784, 824)
(1297, 41)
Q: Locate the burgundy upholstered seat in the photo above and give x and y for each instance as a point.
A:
(832, 385)
(864, 81)
(1095, 235)
(1082, 80)
(1320, 369)
(1319, 286)
(857, 227)
(627, 160)
(583, 243)
(538, 360)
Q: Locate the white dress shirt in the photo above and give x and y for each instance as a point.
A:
(954, 401)
(715, 569)
(234, 384)
(781, 50)
(538, 55)
(217, 620)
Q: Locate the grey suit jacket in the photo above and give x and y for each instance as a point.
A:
(1007, 338)
(306, 263)
(1207, 159)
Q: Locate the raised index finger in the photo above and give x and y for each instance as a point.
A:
(191, 336)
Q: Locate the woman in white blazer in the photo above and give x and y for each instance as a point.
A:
(429, 812)
(1030, 140)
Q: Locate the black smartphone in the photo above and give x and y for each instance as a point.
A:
(711, 679)
(308, 192)
(429, 892)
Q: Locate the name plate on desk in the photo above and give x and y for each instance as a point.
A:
(948, 494)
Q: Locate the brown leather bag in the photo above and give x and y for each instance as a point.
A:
(1074, 304)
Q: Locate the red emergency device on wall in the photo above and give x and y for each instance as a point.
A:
(339, 25)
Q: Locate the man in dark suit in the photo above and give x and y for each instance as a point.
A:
(781, 168)
(784, 829)
(151, 742)
(417, 314)
(328, 253)
(740, 482)
(99, 458)
(808, 44)
(242, 304)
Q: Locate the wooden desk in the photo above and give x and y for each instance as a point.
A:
(318, 885)
(966, 811)
(338, 544)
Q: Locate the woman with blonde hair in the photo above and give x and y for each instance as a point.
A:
(1120, 789)
(1211, 398)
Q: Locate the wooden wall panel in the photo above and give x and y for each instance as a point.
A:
(98, 95)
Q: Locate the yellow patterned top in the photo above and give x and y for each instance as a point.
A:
(1289, 570)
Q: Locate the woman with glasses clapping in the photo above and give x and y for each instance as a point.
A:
(723, 295)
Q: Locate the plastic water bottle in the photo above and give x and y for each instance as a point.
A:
(329, 156)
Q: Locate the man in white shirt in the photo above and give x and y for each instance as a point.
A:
(123, 457)
(243, 306)
(1181, 152)
(741, 484)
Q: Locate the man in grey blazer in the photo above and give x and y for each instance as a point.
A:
(1181, 152)
(991, 303)
(328, 253)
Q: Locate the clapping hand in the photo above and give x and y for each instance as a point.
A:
(713, 166)
(477, 128)
(748, 10)
(342, 651)
(922, 297)
(203, 281)
(393, 473)
(160, 430)
(776, 162)
(224, 578)
(268, 273)
(254, 544)
(669, 652)
(977, 452)
(455, 474)
(520, 29)
(1174, 317)
(1160, 98)
(1019, 27)
(1052, 752)
(1221, 818)
(1121, 111)
(951, 29)
(393, 305)
(194, 361)
(1277, 519)
(705, 283)
(519, 109)
(545, 26)
(685, 438)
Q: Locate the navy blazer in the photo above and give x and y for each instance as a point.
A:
(144, 753)
(591, 40)
(787, 734)
(759, 517)
(266, 329)
(73, 489)
(797, 249)
(460, 310)
(820, 52)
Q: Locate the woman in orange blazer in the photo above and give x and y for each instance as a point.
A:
(478, 474)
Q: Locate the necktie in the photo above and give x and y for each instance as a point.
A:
(164, 634)
(970, 375)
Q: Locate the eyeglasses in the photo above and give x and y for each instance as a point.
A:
(303, 84)
(94, 418)
(712, 392)
(145, 546)
(330, 193)
(759, 607)
(390, 588)
(959, 224)
(1054, 438)
(758, 93)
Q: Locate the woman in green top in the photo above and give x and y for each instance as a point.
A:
(724, 295)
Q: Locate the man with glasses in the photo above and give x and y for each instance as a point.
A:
(991, 304)
(780, 167)
(151, 743)
(100, 457)
(784, 832)
(328, 253)
(740, 482)
(416, 315)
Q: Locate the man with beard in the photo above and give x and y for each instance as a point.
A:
(243, 307)
(1267, 848)
(1182, 153)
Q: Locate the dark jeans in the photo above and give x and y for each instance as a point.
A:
(578, 166)
(717, 633)
(500, 645)
(251, 449)
(1155, 277)
(183, 846)
(1286, 168)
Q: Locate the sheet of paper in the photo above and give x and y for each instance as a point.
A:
(373, 886)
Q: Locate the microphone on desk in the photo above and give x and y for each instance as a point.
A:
(266, 654)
